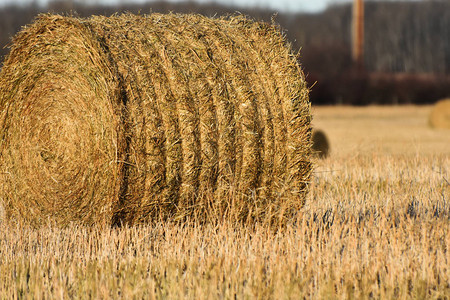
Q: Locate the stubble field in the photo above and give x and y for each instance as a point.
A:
(375, 225)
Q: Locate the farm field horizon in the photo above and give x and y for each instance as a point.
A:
(375, 225)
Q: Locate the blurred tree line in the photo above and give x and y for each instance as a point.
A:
(407, 45)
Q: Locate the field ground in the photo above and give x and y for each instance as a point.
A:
(376, 225)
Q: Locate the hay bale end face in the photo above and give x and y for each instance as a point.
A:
(133, 118)
(60, 125)
(440, 115)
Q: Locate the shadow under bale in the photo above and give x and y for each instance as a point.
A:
(128, 119)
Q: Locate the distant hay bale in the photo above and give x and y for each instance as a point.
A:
(132, 118)
(320, 144)
(440, 114)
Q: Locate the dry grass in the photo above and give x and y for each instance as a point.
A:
(375, 225)
(383, 130)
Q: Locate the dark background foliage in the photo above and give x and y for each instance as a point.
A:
(407, 45)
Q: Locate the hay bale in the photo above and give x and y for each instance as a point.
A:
(131, 118)
(320, 144)
(440, 114)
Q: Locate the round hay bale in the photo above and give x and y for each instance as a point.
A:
(440, 114)
(320, 144)
(134, 118)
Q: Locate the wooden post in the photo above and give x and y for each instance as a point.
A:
(358, 34)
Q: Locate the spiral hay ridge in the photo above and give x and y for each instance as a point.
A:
(127, 118)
